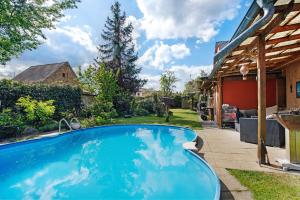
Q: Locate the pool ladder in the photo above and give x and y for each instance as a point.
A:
(66, 122)
(74, 125)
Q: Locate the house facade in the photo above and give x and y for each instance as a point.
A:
(57, 73)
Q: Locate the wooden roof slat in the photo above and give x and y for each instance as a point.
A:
(279, 24)
(281, 8)
(283, 39)
(297, 53)
(285, 28)
(292, 46)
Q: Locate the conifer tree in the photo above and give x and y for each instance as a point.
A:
(118, 51)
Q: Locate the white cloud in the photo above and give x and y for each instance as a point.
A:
(173, 19)
(136, 33)
(14, 67)
(161, 54)
(66, 18)
(79, 35)
(49, 3)
(152, 81)
(183, 73)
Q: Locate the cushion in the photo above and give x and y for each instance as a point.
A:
(271, 110)
(270, 116)
(248, 113)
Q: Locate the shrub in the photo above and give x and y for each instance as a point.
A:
(94, 121)
(177, 101)
(10, 119)
(37, 112)
(159, 107)
(146, 104)
(143, 106)
(6, 117)
(104, 110)
(87, 122)
(140, 112)
(51, 126)
(66, 98)
(123, 103)
(11, 124)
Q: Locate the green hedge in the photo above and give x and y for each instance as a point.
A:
(66, 98)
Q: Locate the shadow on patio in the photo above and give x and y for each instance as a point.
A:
(222, 149)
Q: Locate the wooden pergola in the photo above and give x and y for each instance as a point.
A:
(268, 49)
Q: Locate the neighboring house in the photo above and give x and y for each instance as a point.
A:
(56, 73)
(145, 92)
(139, 93)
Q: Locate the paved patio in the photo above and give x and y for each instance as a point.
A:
(222, 149)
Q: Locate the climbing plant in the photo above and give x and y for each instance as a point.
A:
(66, 98)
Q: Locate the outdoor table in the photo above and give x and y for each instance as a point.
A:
(291, 123)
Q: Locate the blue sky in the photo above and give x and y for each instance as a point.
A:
(176, 35)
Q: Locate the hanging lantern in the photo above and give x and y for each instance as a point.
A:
(244, 70)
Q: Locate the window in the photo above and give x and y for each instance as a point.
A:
(298, 89)
(64, 75)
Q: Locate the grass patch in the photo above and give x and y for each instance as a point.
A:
(181, 117)
(265, 185)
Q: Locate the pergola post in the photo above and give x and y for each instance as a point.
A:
(219, 102)
(261, 83)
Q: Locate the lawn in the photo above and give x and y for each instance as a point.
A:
(181, 117)
(265, 185)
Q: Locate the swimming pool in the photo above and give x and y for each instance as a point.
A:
(109, 162)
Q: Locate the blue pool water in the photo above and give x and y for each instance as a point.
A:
(112, 162)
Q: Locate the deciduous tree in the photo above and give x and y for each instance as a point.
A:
(22, 23)
(167, 83)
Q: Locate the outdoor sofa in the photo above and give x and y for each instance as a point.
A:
(248, 127)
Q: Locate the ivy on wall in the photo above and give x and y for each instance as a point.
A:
(66, 98)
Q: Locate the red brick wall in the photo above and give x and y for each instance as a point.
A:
(243, 94)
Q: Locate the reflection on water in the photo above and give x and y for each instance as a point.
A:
(158, 149)
(141, 162)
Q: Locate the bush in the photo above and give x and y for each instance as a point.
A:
(104, 110)
(66, 98)
(123, 103)
(10, 119)
(11, 124)
(87, 122)
(146, 104)
(143, 106)
(141, 112)
(159, 107)
(177, 101)
(94, 121)
(37, 112)
(51, 126)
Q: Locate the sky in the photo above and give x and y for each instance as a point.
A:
(175, 35)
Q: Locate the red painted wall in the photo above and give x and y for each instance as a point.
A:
(243, 93)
